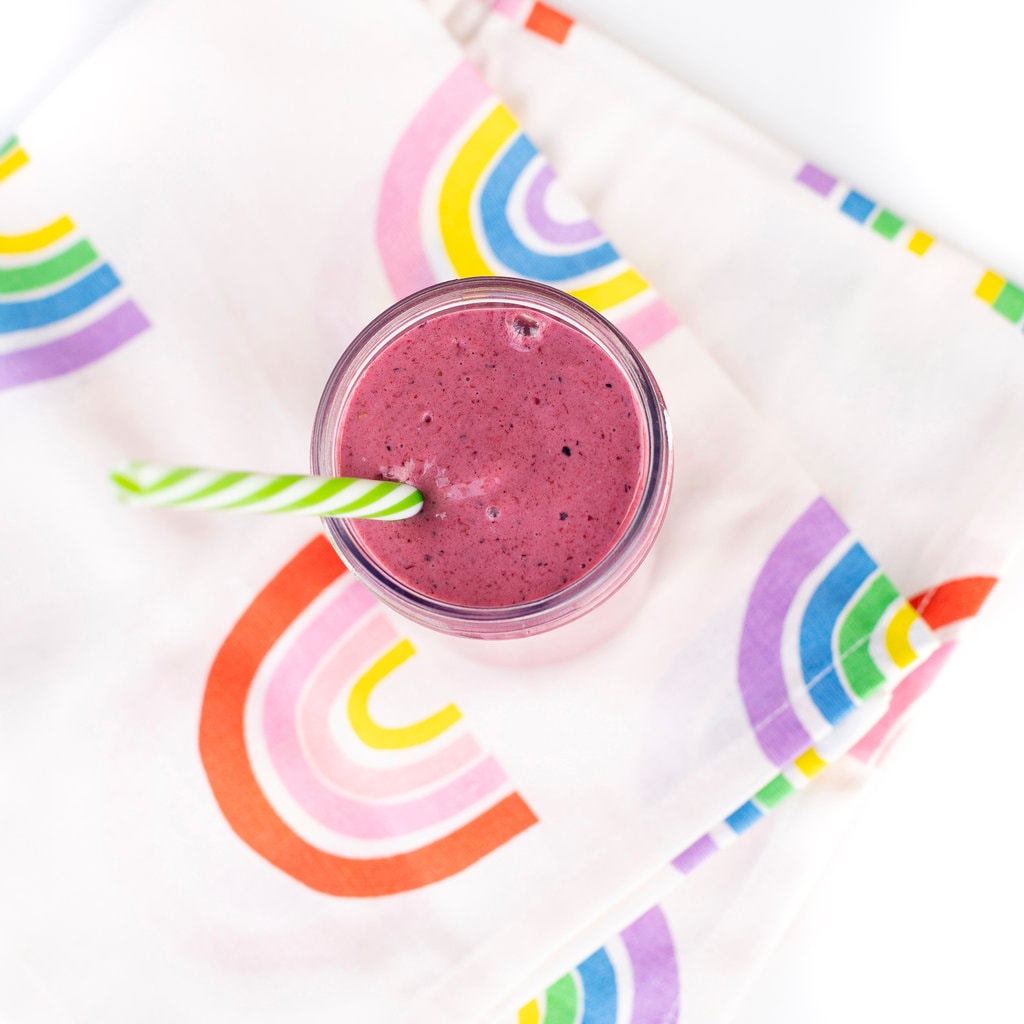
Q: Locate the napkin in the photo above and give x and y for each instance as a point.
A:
(192, 228)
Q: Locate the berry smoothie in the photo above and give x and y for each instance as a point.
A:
(539, 440)
(525, 439)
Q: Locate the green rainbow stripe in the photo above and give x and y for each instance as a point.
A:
(561, 1001)
(49, 271)
(774, 792)
(6, 147)
(861, 621)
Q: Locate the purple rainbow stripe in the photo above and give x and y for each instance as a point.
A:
(538, 218)
(816, 179)
(350, 612)
(655, 969)
(73, 351)
(695, 854)
(398, 219)
(761, 679)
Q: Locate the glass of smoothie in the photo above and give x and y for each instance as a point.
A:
(538, 437)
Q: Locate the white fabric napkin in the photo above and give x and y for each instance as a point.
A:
(191, 230)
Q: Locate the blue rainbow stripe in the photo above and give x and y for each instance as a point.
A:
(29, 313)
(504, 243)
(600, 992)
(819, 623)
(744, 817)
(857, 206)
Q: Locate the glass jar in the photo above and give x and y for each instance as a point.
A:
(527, 303)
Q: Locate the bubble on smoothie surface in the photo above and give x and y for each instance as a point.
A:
(522, 329)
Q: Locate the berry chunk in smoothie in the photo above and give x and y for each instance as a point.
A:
(525, 439)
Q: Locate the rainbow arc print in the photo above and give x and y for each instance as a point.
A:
(62, 306)
(824, 629)
(633, 979)
(466, 194)
(346, 798)
(880, 637)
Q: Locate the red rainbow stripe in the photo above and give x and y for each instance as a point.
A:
(943, 607)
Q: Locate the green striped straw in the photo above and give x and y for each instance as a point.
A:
(147, 483)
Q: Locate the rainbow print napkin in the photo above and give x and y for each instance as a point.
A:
(242, 785)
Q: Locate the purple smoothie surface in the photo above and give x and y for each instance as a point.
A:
(525, 439)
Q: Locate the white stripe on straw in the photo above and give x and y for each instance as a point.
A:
(148, 483)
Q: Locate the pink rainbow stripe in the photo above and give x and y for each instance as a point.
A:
(334, 766)
(913, 687)
(541, 222)
(343, 814)
(72, 352)
(648, 325)
(398, 218)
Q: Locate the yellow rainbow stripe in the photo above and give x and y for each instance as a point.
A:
(382, 737)
(897, 637)
(989, 287)
(39, 239)
(11, 161)
(611, 293)
(920, 242)
(810, 763)
(457, 191)
(530, 1013)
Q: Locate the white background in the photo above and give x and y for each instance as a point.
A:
(919, 103)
